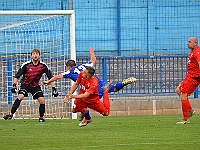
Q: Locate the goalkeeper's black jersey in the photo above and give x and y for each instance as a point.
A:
(32, 73)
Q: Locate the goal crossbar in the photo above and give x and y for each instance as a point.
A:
(38, 12)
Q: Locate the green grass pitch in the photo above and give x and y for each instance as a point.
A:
(104, 133)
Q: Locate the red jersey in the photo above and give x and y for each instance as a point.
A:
(90, 86)
(193, 66)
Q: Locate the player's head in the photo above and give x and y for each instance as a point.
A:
(35, 54)
(192, 42)
(70, 64)
(88, 72)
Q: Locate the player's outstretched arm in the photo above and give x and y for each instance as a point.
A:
(73, 88)
(80, 96)
(92, 56)
(55, 78)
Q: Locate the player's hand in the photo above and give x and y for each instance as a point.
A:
(45, 83)
(91, 50)
(54, 92)
(67, 98)
(14, 90)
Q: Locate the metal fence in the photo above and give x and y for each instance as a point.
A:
(155, 74)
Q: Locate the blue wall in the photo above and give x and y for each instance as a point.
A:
(126, 27)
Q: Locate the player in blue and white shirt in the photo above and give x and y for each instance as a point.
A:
(73, 72)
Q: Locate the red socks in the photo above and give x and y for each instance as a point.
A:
(106, 100)
(185, 108)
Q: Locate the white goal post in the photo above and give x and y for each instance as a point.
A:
(53, 33)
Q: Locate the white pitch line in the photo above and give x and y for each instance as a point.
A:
(148, 143)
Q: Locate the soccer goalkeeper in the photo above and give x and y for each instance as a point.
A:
(32, 71)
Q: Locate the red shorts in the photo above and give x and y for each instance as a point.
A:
(93, 103)
(188, 85)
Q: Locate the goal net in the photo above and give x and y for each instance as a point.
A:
(53, 33)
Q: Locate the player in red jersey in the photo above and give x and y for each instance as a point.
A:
(191, 81)
(88, 96)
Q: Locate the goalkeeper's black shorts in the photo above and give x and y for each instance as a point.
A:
(36, 91)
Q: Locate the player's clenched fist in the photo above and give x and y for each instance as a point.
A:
(14, 88)
(54, 92)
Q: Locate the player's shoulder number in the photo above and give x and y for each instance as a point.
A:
(79, 69)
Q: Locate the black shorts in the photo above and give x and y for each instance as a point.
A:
(36, 91)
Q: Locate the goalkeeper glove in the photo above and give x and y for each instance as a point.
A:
(14, 88)
(54, 92)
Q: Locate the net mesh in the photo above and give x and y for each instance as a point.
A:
(19, 34)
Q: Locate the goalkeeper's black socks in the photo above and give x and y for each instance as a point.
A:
(42, 110)
(15, 106)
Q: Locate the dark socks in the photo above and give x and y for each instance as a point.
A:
(119, 86)
(42, 110)
(87, 114)
(15, 106)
